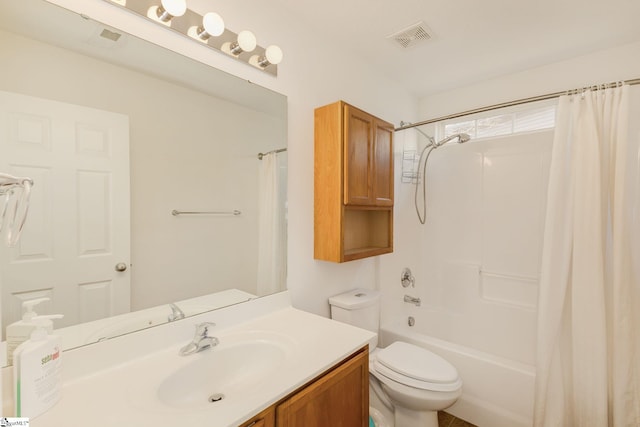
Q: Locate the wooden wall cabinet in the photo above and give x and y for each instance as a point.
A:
(337, 398)
(353, 184)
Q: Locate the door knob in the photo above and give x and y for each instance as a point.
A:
(121, 266)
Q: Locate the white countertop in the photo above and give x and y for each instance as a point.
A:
(117, 386)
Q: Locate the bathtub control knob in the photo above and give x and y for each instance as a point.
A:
(411, 321)
(407, 279)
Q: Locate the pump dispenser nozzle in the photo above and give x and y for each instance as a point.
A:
(27, 307)
(43, 325)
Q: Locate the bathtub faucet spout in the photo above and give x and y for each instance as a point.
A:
(412, 300)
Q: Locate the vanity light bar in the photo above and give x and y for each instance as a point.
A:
(240, 46)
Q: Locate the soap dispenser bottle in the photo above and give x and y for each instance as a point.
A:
(18, 332)
(37, 370)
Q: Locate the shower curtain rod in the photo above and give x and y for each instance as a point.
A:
(261, 155)
(506, 104)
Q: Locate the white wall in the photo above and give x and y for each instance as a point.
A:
(619, 63)
(412, 246)
(314, 72)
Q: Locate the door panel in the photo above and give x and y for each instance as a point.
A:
(78, 225)
(358, 144)
(383, 166)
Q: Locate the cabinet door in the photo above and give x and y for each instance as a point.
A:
(382, 167)
(358, 146)
(368, 159)
(338, 399)
(266, 418)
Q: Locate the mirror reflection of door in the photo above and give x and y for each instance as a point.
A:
(77, 230)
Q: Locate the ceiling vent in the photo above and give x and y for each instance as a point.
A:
(106, 38)
(110, 35)
(410, 36)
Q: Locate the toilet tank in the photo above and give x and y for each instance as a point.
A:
(359, 307)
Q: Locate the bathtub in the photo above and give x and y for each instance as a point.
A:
(496, 392)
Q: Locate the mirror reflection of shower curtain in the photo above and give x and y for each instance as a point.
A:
(271, 228)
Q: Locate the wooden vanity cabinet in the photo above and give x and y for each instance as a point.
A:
(266, 418)
(337, 398)
(340, 398)
(353, 184)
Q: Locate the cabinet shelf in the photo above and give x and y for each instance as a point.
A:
(359, 253)
(367, 232)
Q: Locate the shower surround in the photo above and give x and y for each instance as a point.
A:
(476, 262)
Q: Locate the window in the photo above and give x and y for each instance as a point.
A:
(507, 121)
(491, 124)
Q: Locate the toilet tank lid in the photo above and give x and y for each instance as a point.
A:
(357, 298)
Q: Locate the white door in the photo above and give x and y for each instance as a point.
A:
(78, 228)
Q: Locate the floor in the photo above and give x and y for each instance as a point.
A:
(448, 420)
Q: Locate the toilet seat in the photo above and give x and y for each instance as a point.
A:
(416, 367)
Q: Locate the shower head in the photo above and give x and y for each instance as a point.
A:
(462, 137)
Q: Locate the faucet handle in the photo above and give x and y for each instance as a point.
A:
(201, 341)
(176, 313)
(202, 329)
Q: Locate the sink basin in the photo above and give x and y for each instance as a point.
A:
(241, 364)
(221, 373)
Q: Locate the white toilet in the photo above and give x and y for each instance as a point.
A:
(409, 380)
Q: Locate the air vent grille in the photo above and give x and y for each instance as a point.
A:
(110, 35)
(411, 36)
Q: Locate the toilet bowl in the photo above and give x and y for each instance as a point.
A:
(417, 382)
(410, 381)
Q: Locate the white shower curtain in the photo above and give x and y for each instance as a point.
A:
(271, 240)
(588, 365)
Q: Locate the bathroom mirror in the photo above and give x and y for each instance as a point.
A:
(176, 216)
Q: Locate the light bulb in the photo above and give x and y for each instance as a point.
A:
(167, 10)
(247, 41)
(273, 54)
(213, 24)
(174, 7)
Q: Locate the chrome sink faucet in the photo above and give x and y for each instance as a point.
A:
(412, 300)
(176, 313)
(201, 340)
